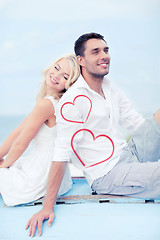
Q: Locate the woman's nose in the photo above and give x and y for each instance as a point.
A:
(57, 75)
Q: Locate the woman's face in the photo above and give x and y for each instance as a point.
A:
(57, 76)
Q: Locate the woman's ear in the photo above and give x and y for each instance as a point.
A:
(80, 60)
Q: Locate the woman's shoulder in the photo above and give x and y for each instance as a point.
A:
(47, 104)
(52, 100)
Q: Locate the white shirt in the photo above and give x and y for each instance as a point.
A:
(87, 127)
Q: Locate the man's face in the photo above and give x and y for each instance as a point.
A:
(96, 59)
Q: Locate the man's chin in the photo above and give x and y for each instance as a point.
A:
(100, 75)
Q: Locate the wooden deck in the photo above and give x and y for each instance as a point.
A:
(81, 215)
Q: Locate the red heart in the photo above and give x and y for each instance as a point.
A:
(71, 120)
(94, 138)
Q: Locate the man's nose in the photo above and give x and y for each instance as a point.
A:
(105, 55)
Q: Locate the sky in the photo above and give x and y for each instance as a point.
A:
(34, 33)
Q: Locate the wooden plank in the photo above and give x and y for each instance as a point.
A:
(81, 193)
(79, 199)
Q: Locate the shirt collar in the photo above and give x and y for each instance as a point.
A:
(81, 83)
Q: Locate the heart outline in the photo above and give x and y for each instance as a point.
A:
(74, 104)
(94, 138)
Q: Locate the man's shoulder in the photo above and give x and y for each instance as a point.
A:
(69, 95)
(76, 89)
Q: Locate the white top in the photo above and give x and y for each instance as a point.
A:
(87, 128)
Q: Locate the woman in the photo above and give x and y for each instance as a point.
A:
(23, 179)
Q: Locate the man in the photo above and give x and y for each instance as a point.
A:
(87, 132)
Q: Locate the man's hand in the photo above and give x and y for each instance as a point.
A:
(37, 220)
(56, 174)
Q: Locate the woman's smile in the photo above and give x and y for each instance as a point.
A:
(53, 80)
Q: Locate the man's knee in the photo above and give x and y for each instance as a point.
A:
(157, 116)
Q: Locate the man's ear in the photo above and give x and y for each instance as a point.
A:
(80, 60)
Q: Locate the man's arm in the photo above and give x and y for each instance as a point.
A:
(129, 117)
(62, 154)
(54, 181)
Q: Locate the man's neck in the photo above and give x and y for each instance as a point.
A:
(94, 83)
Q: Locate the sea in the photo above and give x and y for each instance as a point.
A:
(8, 123)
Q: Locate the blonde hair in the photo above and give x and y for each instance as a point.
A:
(74, 74)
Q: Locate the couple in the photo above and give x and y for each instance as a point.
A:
(87, 117)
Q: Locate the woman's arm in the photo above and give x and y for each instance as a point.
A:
(5, 147)
(42, 111)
